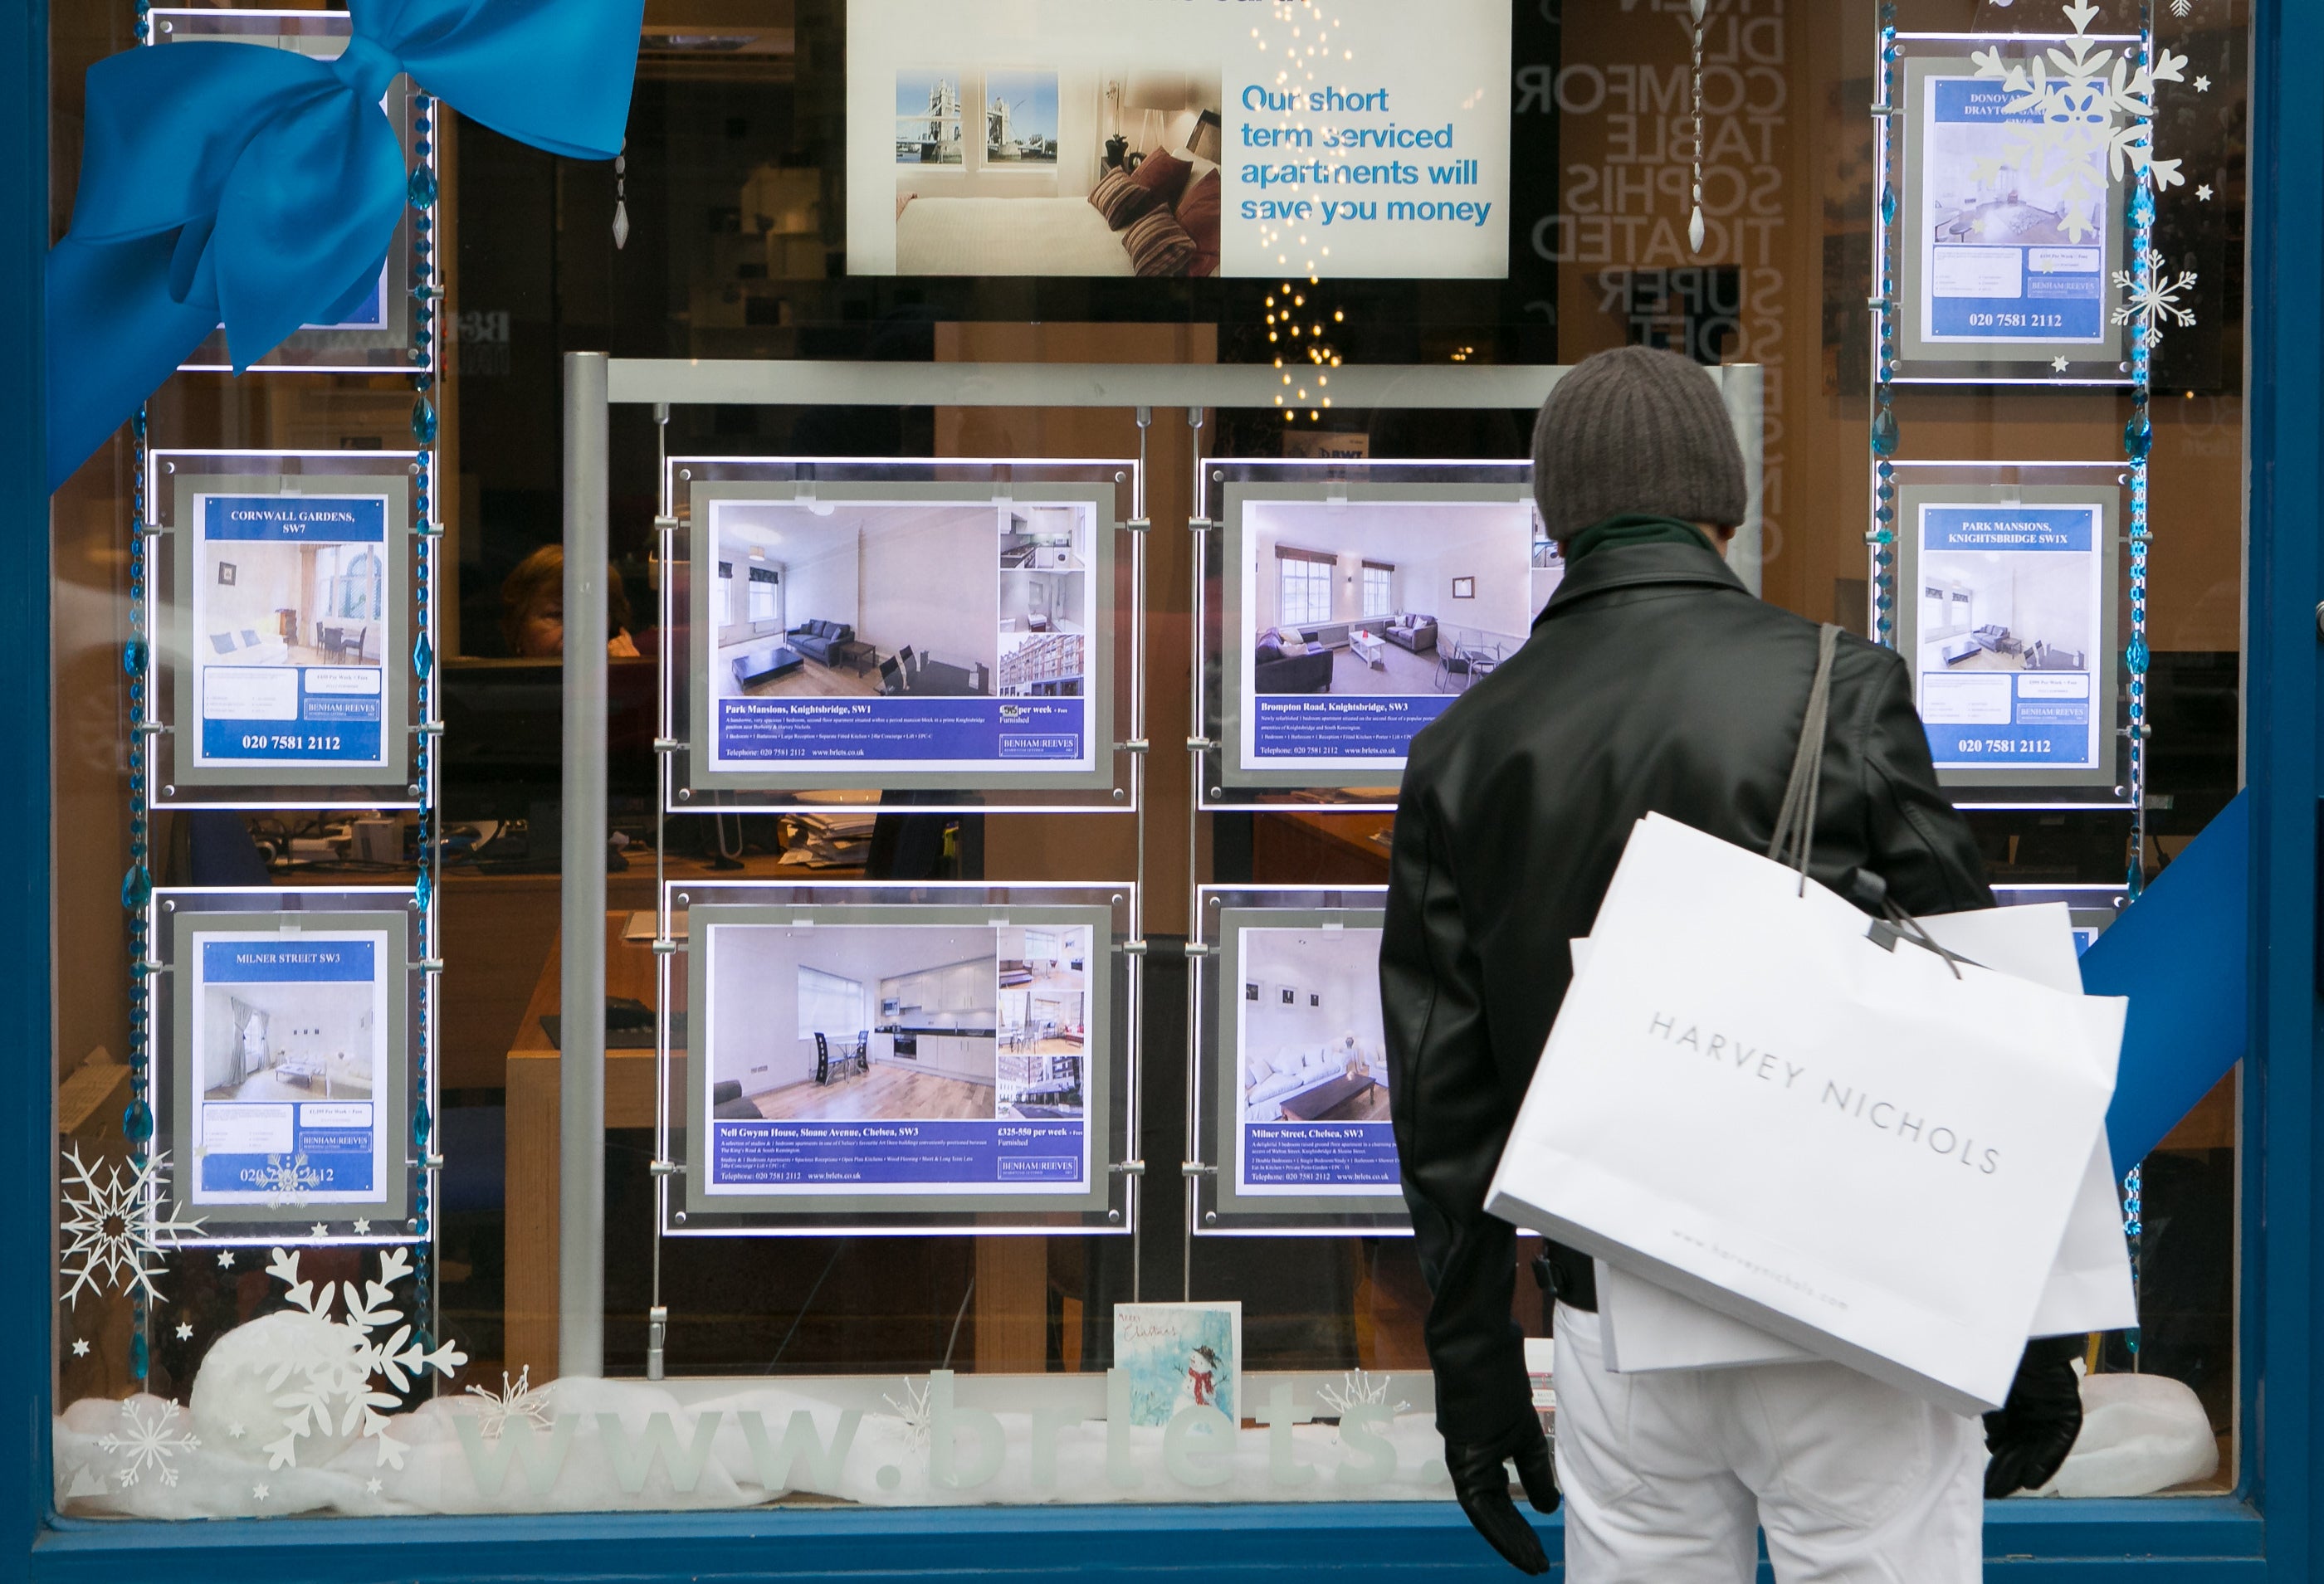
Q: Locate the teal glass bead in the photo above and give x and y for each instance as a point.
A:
(420, 1123)
(2136, 656)
(423, 421)
(423, 890)
(140, 1357)
(1887, 206)
(2142, 205)
(132, 656)
(1885, 439)
(137, 1121)
(423, 656)
(137, 888)
(422, 189)
(2138, 435)
(2136, 881)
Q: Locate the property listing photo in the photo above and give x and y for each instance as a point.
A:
(853, 1023)
(1991, 611)
(272, 602)
(1311, 1045)
(1047, 959)
(1021, 168)
(1044, 539)
(288, 1042)
(854, 599)
(1387, 598)
(1044, 1040)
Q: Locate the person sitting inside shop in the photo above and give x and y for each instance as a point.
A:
(532, 609)
(1654, 683)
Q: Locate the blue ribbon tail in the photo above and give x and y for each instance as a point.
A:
(2181, 954)
(115, 334)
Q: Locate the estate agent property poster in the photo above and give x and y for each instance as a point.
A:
(910, 636)
(1355, 621)
(2007, 235)
(897, 1058)
(1310, 1063)
(2008, 633)
(290, 1039)
(292, 614)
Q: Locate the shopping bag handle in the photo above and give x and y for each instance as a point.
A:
(1794, 836)
(1795, 821)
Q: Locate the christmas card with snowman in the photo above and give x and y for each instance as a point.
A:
(1179, 1356)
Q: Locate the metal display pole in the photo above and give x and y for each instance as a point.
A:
(581, 1115)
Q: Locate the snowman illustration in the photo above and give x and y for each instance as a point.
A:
(1202, 1376)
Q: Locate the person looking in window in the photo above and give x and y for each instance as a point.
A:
(532, 609)
(1653, 682)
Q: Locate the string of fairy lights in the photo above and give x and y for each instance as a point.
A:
(1299, 331)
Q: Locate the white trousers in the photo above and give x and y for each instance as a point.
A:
(1667, 1475)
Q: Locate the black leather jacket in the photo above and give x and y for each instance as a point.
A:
(1654, 681)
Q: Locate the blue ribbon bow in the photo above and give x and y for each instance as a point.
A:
(252, 187)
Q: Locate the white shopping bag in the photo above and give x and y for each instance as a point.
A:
(1648, 1329)
(1861, 1148)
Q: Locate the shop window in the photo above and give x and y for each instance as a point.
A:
(912, 1253)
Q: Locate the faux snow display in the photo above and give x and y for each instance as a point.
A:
(603, 1445)
(2141, 1433)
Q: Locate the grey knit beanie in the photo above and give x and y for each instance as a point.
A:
(1635, 429)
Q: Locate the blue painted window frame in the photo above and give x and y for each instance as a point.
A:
(2266, 1531)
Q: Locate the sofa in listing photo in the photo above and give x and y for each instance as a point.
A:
(1285, 662)
(818, 640)
(1414, 633)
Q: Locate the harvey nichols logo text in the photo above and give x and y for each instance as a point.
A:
(1856, 1104)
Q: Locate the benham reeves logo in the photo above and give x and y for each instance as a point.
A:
(1857, 1104)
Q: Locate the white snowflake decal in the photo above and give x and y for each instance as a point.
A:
(151, 1440)
(337, 1388)
(2151, 298)
(914, 1412)
(114, 1242)
(514, 1400)
(1360, 1389)
(285, 1179)
(2096, 110)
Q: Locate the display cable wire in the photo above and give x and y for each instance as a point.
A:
(665, 944)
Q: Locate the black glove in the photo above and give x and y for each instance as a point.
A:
(2035, 1429)
(1482, 1484)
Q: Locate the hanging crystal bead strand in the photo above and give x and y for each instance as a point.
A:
(1882, 535)
(137, 884)
(2138, 445)
(426, 537)
(1694, 227)
(144, 29)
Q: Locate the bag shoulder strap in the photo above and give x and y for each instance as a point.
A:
(1795, 822)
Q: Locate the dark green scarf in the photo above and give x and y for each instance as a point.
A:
(1635, 528)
